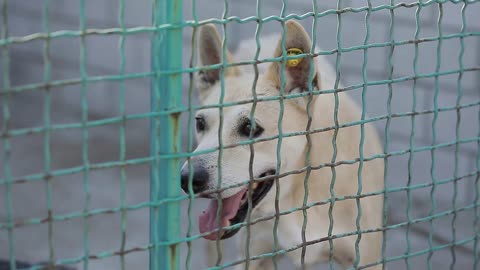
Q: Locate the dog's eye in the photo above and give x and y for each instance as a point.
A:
(200, 123)
(246, 129)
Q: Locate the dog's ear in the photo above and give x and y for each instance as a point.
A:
(210, 53)
(297, 71)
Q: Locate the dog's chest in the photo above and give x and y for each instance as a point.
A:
(290, 235)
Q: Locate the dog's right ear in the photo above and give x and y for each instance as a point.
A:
(296, 73)
(210, 53)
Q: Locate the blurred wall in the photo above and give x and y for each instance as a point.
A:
(103, 58)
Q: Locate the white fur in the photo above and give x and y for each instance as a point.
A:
(235, 164)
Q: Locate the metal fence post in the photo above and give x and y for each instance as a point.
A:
(165, 138)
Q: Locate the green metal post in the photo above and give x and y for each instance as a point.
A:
(165, 136)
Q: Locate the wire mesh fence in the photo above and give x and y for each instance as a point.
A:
(96, 93)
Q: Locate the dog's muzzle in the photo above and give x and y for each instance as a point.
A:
(200, 179)
(233, 210)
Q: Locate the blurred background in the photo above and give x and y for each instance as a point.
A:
(70, 147)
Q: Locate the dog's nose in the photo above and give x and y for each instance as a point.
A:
(199, 180)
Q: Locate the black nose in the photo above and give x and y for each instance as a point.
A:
(199, 180)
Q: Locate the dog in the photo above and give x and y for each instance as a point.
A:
(297, 153)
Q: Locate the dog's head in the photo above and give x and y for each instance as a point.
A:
(231, 125)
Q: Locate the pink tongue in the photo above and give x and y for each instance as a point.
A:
(208, 219)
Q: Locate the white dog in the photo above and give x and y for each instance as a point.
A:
(235, 161)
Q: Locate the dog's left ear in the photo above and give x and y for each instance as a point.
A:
(297, 71)
(210, 53)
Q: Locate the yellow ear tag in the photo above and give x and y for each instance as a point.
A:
(293, 52)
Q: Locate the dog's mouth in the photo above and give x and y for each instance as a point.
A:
(234, 209)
